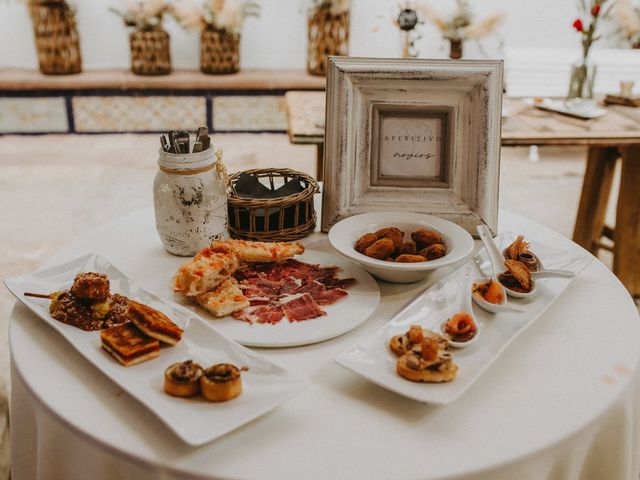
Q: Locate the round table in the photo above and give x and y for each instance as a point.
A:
(560, 402)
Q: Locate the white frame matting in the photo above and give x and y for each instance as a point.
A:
(469, 95)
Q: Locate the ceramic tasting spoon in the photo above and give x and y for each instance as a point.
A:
(464, 306)
(497, 262)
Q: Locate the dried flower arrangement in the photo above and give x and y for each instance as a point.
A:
(143, 15)
(56, 35)
(460, 27)
(336, 7)
(228, 15)
(627, 16)
(220, 23)
(150, 53)
(328, 33)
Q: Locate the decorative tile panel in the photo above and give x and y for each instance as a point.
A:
(138, 114)
(252, 113)
(33, 115)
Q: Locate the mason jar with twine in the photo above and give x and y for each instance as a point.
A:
(57, 40)
(328, 35)
(150, 52)
(190, 200)
(219, 51)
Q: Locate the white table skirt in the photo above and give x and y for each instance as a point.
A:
(562, 402)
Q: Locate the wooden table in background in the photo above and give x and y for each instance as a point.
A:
(609, 138)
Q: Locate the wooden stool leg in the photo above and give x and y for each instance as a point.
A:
(598, 177)
(320, 161)
(626, 249)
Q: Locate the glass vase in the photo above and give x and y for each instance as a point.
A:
(583, 75)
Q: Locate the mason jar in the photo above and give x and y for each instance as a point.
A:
(190, 199)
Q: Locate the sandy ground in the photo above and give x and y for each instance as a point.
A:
(55, 187)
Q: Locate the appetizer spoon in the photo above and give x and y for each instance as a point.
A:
(465, 306)
(497, 262)
(503, 306)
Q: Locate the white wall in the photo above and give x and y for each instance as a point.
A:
(278, 38)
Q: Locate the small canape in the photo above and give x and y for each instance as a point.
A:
(183, 379)
(519, 250)
(489, 291)
(427, 362)
(221, 382)
(401, 344)
(517, 277)
(461, 328)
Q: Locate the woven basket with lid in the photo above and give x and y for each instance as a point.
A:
(328, 35)
(150, 54)
(275, 219)
(219, 51)
(57, 40)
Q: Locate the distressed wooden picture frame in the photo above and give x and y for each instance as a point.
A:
(443, 115)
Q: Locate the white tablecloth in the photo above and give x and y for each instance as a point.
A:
(560, 403)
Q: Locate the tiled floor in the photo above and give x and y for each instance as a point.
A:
(55, 187)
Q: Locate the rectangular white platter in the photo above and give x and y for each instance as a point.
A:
(373, 360)
(194, 420)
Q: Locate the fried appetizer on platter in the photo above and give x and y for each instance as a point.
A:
(401, 344)
(395, 234)
(128, 344)
(206, 270)
(224, 300)
(427, 363)
(380, 249)
(433, 252)
(183, 379)
(407, 258)
(154, 323)
(517, 277)
(91, 286)
(365, 241)
(425, 238)
(221, 382)
(248, 251)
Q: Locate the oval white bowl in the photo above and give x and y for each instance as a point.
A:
(344, 234)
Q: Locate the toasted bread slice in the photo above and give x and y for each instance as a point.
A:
(416, 369)
(206, 270)
(224, 300)
(154, 323)
(248, 251)
(521, 273)
(128, 344)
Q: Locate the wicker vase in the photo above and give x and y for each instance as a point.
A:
(57, 40)
(219, 51)
(150, 53)
(328, 35)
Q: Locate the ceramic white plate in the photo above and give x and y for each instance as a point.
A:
(342, 317)
(344, 234)
(585, 110)
(194, 420)
(373, 360)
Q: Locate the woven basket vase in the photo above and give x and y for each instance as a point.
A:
(328, 35)
(150, 53)
(219, 51)
(277, 219)
(57, 40)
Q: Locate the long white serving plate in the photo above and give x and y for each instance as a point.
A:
(195, 420)
(372, 358)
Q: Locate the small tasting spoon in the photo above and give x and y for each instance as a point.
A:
(497, 262)
(465, 306)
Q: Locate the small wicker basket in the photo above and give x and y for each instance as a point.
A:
(328, 35)
(57, 40)
(273, 219)
(150, 54)
(219, 51)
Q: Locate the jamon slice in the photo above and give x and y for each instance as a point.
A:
(260, 314)
(321, 294)
(303, 307)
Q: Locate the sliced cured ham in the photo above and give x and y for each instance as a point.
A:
(260, 314)
(303, 307)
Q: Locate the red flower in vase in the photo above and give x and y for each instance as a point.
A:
(595, 10)
(578, 25)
